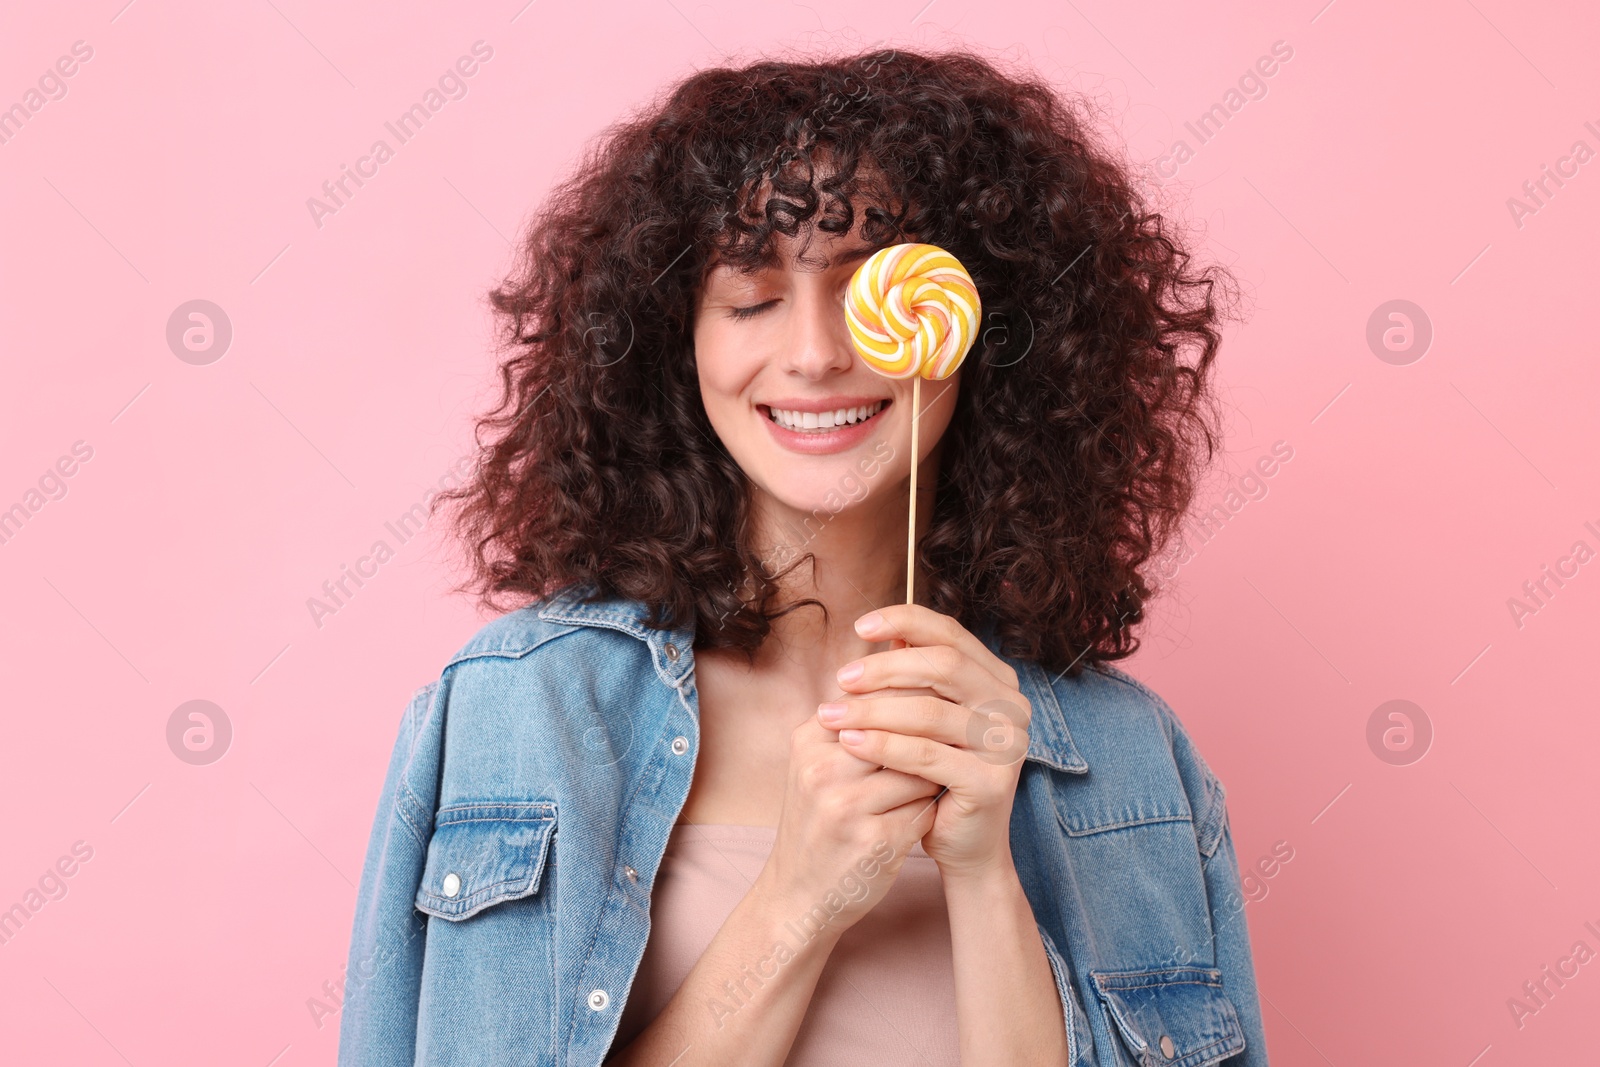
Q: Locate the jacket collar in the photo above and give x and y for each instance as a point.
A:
(671, 650)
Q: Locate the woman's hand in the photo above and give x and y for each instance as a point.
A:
(844, 832)
(967, 730)
(946, 709)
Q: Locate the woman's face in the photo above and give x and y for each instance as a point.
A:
(809, 422)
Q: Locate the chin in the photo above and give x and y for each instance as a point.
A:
(820, 488)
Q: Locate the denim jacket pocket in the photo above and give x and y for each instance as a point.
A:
(484, 853)
(1172, 1017)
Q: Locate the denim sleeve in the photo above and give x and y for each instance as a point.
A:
(1224, 895)
(378, 1024)
(1078, 1052)
(1232, 940)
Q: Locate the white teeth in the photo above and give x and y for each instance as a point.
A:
(826, 420)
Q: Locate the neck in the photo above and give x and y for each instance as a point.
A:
(859, 565)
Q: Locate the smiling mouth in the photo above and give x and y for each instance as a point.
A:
(821, 422)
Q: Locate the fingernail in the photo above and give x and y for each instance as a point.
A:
(851, 671)
(869, 624)
(830, 712)
(852, 737)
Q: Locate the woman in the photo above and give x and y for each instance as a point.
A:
(713, 793)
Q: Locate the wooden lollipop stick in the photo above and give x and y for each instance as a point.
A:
(911, 521)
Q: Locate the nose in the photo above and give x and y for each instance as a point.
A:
(818, 342)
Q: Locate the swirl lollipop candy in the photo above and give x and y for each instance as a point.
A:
(912, 311)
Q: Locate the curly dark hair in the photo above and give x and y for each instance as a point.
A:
(1084, 417)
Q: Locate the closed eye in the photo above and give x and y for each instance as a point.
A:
(750, 312)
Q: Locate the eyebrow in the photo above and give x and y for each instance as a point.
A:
(854, 255)
(843, 259)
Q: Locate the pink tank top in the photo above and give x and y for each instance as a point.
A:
(887, 993)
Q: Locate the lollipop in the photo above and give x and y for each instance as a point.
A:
(912, 311)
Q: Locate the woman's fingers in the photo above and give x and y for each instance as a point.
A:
(949, 673)
(917, 816)
(920, 734)
(885, 790)
(939, 763)
(920, 626)
(927, 717)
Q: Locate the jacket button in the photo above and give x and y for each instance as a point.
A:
(1167, 1048)
(672, 651)
(452, 884)
(680, 745)
(599, 999)
(633, 875)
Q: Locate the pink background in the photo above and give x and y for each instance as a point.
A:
(220, 497)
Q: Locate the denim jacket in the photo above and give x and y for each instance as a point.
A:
(505, 897)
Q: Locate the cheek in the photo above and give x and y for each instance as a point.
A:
(725, 365)
(715, 363)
